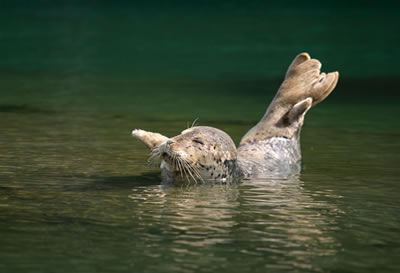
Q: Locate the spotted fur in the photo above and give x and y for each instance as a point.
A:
(271, 148)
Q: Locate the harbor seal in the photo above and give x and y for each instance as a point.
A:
(271, 148)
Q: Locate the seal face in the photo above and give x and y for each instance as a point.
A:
(198, 153)
(271, 147)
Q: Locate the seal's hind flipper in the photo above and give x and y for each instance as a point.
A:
(304, 86)
(304, 79)
(151, 140)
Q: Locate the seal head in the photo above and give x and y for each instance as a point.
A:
(198, 153)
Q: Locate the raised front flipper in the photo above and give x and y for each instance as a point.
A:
(304, 86)
(151, 140)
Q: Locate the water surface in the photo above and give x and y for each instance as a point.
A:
(76, 193)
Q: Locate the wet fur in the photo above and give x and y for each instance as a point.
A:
(271, 148)
(198, 154)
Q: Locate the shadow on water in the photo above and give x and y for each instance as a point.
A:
(23, 109)
(107, 183)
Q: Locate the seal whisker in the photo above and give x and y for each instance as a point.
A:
(187, 169)
(189, 172)
(179, 165)
(154, 156)
(194, 123)
(183, 170)
(191, 175)
(176, 163)
(194, 171)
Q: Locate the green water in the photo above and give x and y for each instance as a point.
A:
(76, 194)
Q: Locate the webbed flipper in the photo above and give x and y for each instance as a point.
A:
(303, 87)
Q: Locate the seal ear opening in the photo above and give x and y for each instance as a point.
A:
(299, 110)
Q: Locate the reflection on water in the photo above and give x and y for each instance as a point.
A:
(274, 223)
(76, 193)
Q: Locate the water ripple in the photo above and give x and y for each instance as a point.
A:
(69, 194)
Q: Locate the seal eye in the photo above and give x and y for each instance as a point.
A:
(198, 141)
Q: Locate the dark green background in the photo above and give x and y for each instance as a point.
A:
(121, 56)
(76, 194)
